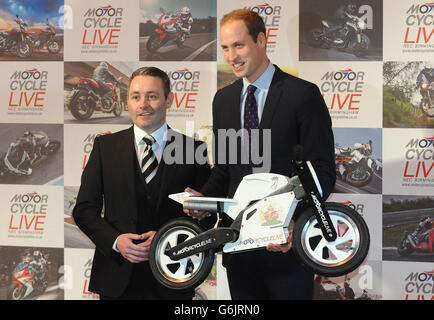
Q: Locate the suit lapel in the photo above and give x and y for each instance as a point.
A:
(233, 117)
(126, 152)
(272, 101)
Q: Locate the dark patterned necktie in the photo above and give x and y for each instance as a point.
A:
(149, 161)
(251, 120)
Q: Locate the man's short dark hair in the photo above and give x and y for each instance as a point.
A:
(153, 72)
(253, 21)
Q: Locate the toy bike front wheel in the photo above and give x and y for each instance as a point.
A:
(334, 258)
(180, 274)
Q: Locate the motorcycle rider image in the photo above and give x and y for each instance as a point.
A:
(420, 234)
(425, 83)
(101, 74)
(40, 265)
(342, 17)
(185, 21)
(21, 155)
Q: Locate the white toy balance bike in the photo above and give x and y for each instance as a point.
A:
(329, 239)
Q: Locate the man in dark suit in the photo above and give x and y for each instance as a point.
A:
(128, 177)
(295, 112)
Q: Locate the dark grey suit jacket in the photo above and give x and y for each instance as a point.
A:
(108, 179)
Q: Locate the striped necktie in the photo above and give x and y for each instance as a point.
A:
(149, 161)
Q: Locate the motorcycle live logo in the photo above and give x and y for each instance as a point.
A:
(88, 145)
(419, 162)
(419, 286)
(27, 91)
(419, 33)
(271, 16)
(102, 27)
(185, 87)
(28, 212)
(342, 91)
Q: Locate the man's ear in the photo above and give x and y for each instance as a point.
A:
(261, 39)
(169, 100)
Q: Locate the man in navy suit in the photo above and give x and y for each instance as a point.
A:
(295, 112)
(129, 174)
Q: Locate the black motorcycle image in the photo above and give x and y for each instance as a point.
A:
(17, 39)
(420, 240)
(350, 36)
(426, 89)
(45, 37)
(26, 152)
(88, 97)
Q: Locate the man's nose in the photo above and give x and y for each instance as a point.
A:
(144, 102)
(231, 54)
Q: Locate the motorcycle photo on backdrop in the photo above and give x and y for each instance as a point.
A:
(89, 95)
(425, 84)
(28, 150)
(420, 240)
(350, 36)
(45, 37)
(172, 29)
(328, 238)
(28, 277)
(17, 39)
(356, 165)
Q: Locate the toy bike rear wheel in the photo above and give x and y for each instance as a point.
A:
(180, 274)
(334, 258)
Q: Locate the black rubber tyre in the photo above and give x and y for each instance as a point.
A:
(186, 273)
(336, 258)
(351, 178)
(80, 107)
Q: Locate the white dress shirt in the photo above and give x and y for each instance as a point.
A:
(160, 136)
(262, 84)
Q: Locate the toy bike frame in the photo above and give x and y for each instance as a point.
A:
(262, 209)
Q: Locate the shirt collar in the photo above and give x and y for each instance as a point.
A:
(159, 135)
(264, 81)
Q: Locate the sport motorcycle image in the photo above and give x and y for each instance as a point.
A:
(45, 38)
(88, 97)
(350, 36)
(355, 165)
(17, 39)
(329, 239)
(168, 32)
(25, 281)
(26, 152)
(420, 240)
(426, 89)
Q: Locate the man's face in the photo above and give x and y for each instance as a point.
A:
(246, 57)
(147, 104)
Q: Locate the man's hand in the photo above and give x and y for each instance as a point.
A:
(284, 248)
(196, 214)
(135, 253)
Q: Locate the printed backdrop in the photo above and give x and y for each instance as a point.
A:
(372, 98)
